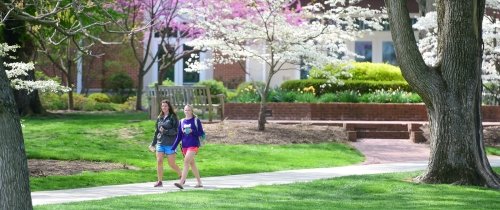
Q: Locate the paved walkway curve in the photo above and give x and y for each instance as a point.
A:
(391, 150)
(220, 182)
(382, 156)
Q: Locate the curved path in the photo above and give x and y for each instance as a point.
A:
(382, 156)
(391, 150)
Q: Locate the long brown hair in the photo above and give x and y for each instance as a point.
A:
(170, 109)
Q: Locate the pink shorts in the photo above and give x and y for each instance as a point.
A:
(185, 150)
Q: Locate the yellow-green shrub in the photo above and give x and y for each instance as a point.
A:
(361, 71)
(99, 97)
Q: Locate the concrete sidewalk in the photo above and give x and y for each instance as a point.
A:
(221, 182)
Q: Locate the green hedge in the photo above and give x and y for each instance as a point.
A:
(216, 88)
(361, 71)
(362, 86)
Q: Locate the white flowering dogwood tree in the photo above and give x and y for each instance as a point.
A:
(428, 46)
(447, 75)
(277, 33)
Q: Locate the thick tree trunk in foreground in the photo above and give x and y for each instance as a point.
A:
(451, 90)
(14, 176)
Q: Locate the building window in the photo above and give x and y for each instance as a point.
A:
(388, 53)
(189, 77)
(169, 73)
(363, 48)
(304, 70)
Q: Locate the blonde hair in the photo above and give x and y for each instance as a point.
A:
(192, 110)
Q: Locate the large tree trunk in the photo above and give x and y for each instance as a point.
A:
(451, 90)
(14, 176)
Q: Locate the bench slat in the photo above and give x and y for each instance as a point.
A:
(179, 96)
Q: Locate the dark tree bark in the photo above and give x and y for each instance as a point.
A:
(14, 176)
(451, 90)
(14, 33)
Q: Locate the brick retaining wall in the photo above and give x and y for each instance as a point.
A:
(341, 111)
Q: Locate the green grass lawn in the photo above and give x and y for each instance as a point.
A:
(387, 191)
(493, 150)
(124, 137)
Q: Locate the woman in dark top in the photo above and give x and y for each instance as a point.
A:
(166, 131)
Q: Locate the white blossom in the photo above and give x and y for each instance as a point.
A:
(491, 30)
(16, 69)
(313, 36)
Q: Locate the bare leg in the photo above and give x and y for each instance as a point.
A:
(159, 165)
(187, 160)
(195, 171)
(173, 166)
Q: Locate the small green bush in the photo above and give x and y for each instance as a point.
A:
(121, 86)
(216, 88)
(93, 105)
(306, 98)
(89, 105)
(360, 86)
(231, 95)
(129, 105)
(166, 82)
(376, 72)
(247, 92)
(328, 97)
(53, 101)
(360, 71)
(78, 100)
(390, 96)
(280, 95)
(243, 87)
(100, 97)
(348, 96)
(248, 97)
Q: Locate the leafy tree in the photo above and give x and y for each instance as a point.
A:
(451, 89)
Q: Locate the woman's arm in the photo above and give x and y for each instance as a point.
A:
(179, 136)
(200, 131)
(155, 140)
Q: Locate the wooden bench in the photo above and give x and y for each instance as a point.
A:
(179, 96)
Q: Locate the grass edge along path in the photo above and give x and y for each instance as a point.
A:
(382, 191)
(219, 160)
